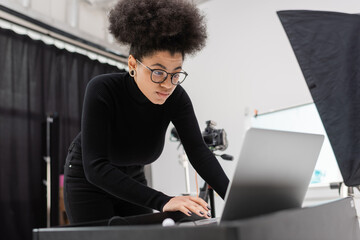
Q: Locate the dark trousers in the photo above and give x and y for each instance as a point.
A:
(85, 202)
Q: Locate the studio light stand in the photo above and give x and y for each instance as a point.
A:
(47, 159)
(51, 181)
(184, 161)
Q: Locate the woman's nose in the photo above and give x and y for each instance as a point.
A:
(167, 83)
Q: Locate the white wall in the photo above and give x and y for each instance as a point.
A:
(248, 64)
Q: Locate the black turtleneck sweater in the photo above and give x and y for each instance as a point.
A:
(121, 127)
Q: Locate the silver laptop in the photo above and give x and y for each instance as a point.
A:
(273, 173)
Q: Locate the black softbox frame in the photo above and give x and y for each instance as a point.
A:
(327, 47)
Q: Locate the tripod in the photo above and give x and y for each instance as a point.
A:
(207, 194)
(215, 140)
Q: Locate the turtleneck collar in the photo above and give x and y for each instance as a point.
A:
(135, 92)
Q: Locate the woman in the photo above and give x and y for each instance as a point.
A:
(126, 115)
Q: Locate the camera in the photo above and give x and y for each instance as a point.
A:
(215, 138)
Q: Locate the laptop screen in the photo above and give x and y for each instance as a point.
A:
(273, 172)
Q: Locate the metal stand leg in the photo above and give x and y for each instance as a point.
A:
(207, 193)
(47, 159)
(212, 201)
(183, 160)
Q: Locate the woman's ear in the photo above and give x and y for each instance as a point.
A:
(131, 63)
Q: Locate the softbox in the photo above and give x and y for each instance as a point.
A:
(327, 47)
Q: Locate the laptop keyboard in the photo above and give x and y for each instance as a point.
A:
(209, 221)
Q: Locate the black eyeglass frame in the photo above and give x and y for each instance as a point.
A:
(167, 74)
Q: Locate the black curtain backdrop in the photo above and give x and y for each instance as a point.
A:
(35, 79)
(327, 47)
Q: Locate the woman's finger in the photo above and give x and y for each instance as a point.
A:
(186, 211)
(199, 210)
(201, 202)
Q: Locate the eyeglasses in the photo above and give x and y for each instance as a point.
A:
(159, 75)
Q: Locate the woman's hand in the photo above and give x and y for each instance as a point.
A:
(188, 205)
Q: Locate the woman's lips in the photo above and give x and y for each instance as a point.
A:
(162, 94)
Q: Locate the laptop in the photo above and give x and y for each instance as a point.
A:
(273, 173)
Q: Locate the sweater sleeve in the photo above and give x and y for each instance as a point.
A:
(201, 158)
(97, 112)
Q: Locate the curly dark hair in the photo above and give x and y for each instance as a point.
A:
(153, 25)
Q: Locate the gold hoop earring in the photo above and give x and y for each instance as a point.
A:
(132, 72)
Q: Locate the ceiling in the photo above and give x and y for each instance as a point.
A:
(106, 4)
